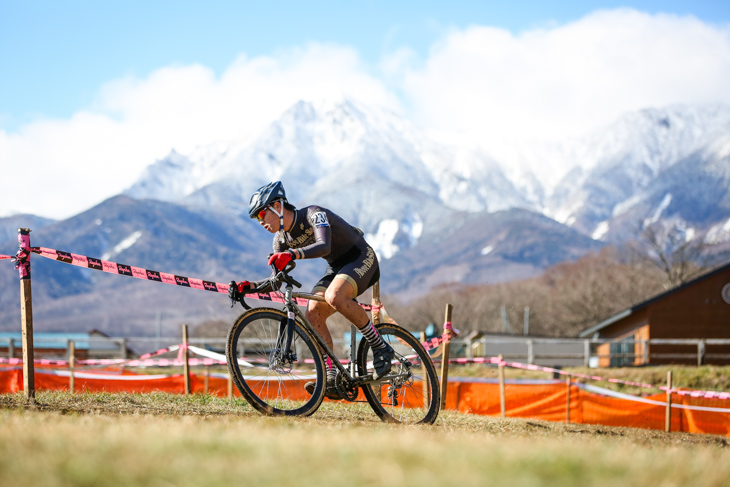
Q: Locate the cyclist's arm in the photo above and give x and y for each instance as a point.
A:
(320, 248)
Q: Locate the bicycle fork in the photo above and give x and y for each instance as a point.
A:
(286, 333)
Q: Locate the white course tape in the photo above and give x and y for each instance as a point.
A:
(629, 397)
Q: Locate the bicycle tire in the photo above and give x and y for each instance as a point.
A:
(270, 388)
(417, 401)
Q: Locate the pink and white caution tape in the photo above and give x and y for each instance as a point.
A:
(449, 332)
(3, 257)
(156, 276)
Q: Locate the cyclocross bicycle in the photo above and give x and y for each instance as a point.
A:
(272, 353)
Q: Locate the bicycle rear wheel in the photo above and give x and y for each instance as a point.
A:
(271, 382)
(410, 392)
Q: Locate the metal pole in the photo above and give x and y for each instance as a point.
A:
(526, 330)
(586, 353)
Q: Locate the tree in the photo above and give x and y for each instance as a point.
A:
(675, 250)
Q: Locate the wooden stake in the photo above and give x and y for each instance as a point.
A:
(186, 368)
(26, 315)
(230, 385)
(71, 363)
(424, 380)
(501, 386)
(207, 379)
(445, 356)
(668, 416)
(567, 400)
(375, 301)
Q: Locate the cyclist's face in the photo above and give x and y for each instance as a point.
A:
(269, 220)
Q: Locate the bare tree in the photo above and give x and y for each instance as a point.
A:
(679, 254)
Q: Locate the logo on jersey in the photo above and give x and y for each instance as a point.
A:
(319, 219)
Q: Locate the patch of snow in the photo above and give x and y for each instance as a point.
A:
(382, 239)
(625, 206)
(600, 231)
(718, 233)
(413, 227)
(123, 245)
(660, 209)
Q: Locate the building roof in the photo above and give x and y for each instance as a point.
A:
(59, 340)
(637, 307)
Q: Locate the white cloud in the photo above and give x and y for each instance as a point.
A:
(482, 83)
(69, 165)
(488, 84)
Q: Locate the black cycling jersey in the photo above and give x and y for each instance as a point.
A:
(319, 232)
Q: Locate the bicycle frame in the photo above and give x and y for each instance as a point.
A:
(292, 310)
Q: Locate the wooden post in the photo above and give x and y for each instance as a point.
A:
(567, 400)
(26, 313)
(71, 364)
(207, 379)
(501, 386)
(230, 385)
(424, 380)
(668, 416)
(186, 367)
(445, 356)
(376, 304)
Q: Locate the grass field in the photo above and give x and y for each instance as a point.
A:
(175, 440)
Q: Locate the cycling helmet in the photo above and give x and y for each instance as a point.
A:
(265, 196)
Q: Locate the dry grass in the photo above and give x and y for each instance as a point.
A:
(164, 439)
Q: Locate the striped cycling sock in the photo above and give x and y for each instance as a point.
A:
(331, 369)
(372, 336)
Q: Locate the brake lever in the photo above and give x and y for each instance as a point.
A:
(241, 298)
(283, 275)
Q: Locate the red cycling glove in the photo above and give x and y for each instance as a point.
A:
(281, 259)
(243, 285)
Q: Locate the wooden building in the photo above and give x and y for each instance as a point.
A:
(686, 325)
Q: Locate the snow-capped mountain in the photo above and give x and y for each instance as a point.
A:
(386, 176)
(436, 213)
(614, 168)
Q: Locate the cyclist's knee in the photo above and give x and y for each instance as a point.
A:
(335, 297)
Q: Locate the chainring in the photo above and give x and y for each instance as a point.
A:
(345, 389)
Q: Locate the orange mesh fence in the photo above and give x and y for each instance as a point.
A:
(544, 400)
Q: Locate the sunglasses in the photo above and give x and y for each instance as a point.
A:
(262, 214)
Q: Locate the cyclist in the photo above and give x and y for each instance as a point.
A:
(313, 232)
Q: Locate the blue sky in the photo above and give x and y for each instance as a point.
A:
(56, 55)
(75, 72)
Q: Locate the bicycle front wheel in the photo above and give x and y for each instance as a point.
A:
(409, 393)
(271, 380)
